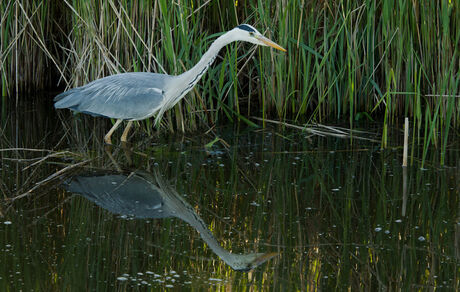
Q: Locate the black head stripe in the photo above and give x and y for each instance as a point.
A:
(246, 27)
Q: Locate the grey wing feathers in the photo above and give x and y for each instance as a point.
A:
(120, 194)
(127, 96)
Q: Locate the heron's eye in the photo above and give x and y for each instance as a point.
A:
(251, 33)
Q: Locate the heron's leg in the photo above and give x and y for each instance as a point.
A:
(107, 137)
(125, 132)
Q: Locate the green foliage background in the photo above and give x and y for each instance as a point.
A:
(346, 60)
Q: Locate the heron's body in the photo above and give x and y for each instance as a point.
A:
(137, 96)
(142, 195)
(127, 96)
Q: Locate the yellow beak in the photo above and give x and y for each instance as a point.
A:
(270, 43)
(266, 256)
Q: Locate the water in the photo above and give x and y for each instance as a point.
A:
(330, 214)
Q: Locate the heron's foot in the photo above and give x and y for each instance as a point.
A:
(126, 146)
(108, 136)
(124, 136)
(108, 140)
(108, 148)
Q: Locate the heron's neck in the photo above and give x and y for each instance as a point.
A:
(192, 76)
(187, 213)
(181, 209)
(187, 80)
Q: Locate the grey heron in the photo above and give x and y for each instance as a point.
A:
(144, 195)
(139, 95)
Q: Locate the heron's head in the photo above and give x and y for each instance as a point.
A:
(245, 32)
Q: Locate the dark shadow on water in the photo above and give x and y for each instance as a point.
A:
(144, 195)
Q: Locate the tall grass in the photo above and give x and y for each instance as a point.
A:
(27, 45)
(346, 61)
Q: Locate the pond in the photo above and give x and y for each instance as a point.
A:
(259, 209)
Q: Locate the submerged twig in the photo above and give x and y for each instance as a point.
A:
(49, 178)
(55, 154)
(26, 149)
(328, 130)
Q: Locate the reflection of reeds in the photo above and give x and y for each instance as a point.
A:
(348, 61)
(317, 201)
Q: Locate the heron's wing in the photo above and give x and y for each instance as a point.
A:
(121, 194)
(127, 96)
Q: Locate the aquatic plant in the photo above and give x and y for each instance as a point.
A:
(352, 61)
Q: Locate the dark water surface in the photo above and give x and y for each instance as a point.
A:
(168, 213)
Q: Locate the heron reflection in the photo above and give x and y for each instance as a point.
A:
(142, 195)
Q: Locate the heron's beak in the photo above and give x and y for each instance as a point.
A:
(266, 256)
(270, 43)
